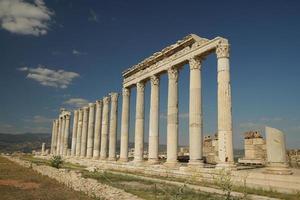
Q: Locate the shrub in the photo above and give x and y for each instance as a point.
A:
(56, 161)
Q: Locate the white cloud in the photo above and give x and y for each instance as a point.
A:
(76, 52)
(93, 16)
(76, 102)
(20, 17)
(48, 77)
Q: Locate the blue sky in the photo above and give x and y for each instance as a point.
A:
(64, 53)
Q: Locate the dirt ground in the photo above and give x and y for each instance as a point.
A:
(21, 183)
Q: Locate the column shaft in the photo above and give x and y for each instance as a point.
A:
(91, 126)
(84, 131)
(224, 107)
(104, 129)
(79, 132)
(52, 137)
(195, 112)
(66, 134)
(139, 123)
(172, 127)
(125, 124)
(113, 127)
(74, 133)
(154, 120)
(58, 136)
(62, 135)
(97, 137)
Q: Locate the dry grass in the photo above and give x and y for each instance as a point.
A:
(17, 182)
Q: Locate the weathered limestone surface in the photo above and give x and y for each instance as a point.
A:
(125, 125)
(139, 123)
(113, 126)
(172, 121)
(62, 135)
(66, 133)
(74, 133)
(84, 131)
(91, 126)
(104, 129)
(224, 107)
(97, 136)
(52, 137)
(276, 152)
(195, 113)
(79, 132)
(58, 136)
(154, 121)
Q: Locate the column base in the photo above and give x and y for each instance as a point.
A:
(112, 159)
(196, 163)
(226, 166)
(123, 160)
(279, 169)
(172, 164)
(153, 161)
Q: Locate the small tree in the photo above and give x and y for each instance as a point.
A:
(56, 161)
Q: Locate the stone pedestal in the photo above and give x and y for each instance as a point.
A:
(74, 133)
(79, 132)
(172, 121)
(91, 126)
(104, 129)
(113, 127)
(97, 136)
(125, 125)
(195, 113)
(276, 152)
(139, 123)
(224, 108)
(84, 131)
(154, 121)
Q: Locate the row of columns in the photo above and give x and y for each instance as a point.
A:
(60, 134)
(92, 128)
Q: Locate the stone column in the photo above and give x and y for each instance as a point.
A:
(74, 133)
(97, 136)
(66, 135)
(195, 113)
(139, 123)
(55, 136)
(79, 132)
(224, 107)
(52, 137)
(172, 121)
(43, 149)
(125, 125)
(104, 129)
(276, 152)
(113, 126)
(154, 121)
(62, 134)
(84, 131)
(58, 136)
(91, 126)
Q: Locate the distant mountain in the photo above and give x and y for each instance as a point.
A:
(23, 142)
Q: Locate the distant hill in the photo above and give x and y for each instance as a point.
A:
(23, 142)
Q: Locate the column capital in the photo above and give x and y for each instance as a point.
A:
(195, 63)
(75, 112)
(114, 96)
(67, 117)
(99, 102)
(173, 73)
(126, 92)
(154, 80)
(85, 108)
(140, 86)
(106, 100)
(91, 105)
(222, 50)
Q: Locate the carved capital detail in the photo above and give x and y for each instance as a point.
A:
(106, 100)
(114, 96)
(126, 92)
(85, 109)
(195, 63)
(222, 50)
(173, 74)
(91, 105)
(99, 102)
(154, 80)
(140, 86)
(68, 117)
